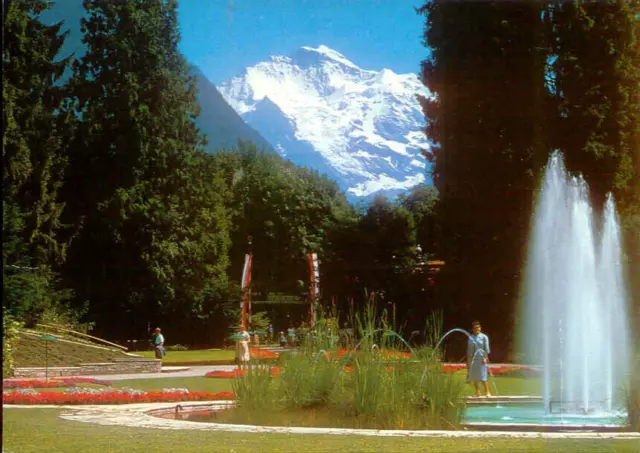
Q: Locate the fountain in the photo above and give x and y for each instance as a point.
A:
(575, 318)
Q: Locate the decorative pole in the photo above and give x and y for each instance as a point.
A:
(314, 287)
(249, 283)
(246, 286)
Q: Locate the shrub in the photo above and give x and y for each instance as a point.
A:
(10, 328)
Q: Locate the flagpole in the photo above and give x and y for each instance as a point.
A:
(249, 283)
(246, 286)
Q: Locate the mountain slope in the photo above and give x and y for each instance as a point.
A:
(363, 128)
(217, 119)
(222, 125)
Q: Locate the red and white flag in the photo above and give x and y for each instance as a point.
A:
(314, 290)
(246, 288)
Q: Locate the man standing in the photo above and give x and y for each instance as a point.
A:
(158, 342)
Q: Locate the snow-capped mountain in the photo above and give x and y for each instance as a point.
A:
(317, 108)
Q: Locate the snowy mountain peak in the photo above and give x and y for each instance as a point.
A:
(361, 127)
(330, 54)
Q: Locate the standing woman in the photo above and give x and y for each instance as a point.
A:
(242, 347)
(477, 358)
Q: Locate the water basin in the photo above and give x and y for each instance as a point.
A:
(536, 414)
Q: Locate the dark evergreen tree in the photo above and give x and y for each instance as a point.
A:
(487, 73)
(597, 124)
(147, 204)
(36, 125)
(597, 68)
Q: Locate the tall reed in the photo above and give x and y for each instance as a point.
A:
(376, 383)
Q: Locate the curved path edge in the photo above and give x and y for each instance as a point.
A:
(137, 416)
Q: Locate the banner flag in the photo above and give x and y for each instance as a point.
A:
(314, 289)
(246, 289)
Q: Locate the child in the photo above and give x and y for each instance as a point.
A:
(283, 340)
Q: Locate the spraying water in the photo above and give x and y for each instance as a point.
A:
(575, 297)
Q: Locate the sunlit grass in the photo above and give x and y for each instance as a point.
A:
(42, 431)
(197, 356)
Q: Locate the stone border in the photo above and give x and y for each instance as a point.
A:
(138, 416)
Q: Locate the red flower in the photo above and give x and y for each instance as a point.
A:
(52, 383)
(257, 353)
(111, 397)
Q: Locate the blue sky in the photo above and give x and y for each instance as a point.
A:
(223, 37)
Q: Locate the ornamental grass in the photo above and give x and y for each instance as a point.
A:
(380, 379)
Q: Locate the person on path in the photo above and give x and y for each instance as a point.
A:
(242, 347)
(291, 335)
(270, 334)
(477, 358)
(158, 342)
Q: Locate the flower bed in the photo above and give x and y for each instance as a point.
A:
(502, 370)
(257, 353)
(53, 383)
(111, 397)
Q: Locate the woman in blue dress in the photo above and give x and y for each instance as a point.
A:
(477, 358)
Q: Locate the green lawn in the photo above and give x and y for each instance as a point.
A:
(42, 431)
(505, 385)
(513, 386)
(195, 384)
(192, 357)
(31, 352)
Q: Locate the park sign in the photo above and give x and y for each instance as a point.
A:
(281, 299)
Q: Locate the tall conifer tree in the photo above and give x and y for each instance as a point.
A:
(36, 126)
(153, 231)
(486, 71)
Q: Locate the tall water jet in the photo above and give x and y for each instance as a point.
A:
(574, 297)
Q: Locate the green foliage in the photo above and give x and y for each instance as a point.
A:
(307, 380)
(376, 389)
(147, 202)
(10, 329)
(421, 202)
(254, 392)
(287, 210)
(597, 70)
(36, 127)
(259, 322)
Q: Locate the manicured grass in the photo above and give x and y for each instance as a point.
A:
(512, 386)
(505, 385)
(192, 356)
(42, 431)
(195, 384)
(30, 352)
